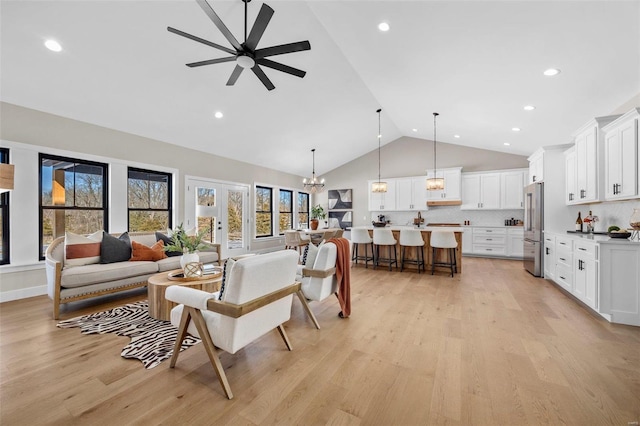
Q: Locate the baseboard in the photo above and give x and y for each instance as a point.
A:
(23, 293)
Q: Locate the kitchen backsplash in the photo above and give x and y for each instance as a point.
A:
(609, 213)
(453, 214)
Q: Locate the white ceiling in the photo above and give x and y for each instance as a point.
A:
(477, 63)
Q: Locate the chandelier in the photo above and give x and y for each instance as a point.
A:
(435, 183)
(313, 185)
(379, 186)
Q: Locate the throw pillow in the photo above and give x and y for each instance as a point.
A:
(310, 254)
(114, 249)
(225, 273)
(141, 252)
(167, 240)
(80, 250)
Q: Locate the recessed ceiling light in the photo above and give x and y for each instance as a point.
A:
(53, 45)
(415, 130)
(529, 107)
(551, 72)
(506, 144)
(383, 26)
(218, 114)
(456, 136)
(515, 129)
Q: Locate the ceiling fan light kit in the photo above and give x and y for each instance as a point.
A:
(435, 183)
(247, 55)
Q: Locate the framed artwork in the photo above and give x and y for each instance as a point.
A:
(340, 199)
(342, 219)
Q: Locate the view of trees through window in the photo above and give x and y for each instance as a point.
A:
(264, 199)
(303, 210)
(149, 200)
(72, 197)
(285, 218)
(4, 216)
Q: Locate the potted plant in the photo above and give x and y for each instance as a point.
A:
(317, 212)
(188, 245)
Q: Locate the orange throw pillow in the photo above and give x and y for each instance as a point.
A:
(141, 252)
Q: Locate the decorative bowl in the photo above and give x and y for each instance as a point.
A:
(619, 234)
(379, 224)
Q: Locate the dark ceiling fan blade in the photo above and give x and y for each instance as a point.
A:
(201, 40)
(218, 23)
(282, 67)
(282, 49)
(263, 77)
(211, 61)
(234, 75)
(259, 26)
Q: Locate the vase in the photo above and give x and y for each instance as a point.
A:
(314, 224)
(189, 257)
(634, 222)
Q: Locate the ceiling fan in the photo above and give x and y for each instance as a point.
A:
(246, 55)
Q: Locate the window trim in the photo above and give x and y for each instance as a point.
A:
(169, 208)
(105, 195)
(290, 213)
(308, 212)
(5, 211)
(256, 211)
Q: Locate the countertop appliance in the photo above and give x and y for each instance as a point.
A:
(533, 225)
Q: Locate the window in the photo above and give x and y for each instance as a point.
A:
(303, 210)
(149, 200)
(286, 210)
(73, 197)
(264, 215)
(4, 216)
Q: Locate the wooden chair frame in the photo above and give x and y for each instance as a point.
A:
(305, 304)
(230, 310)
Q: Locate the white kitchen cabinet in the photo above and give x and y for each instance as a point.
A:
(564, 262)
(480, 191)
(585, 272)
(490, 241)
(383, 201)
(451, 194)
(411, 194)
(467, 240)
(512, 189)
(536, 168)
(549, 256)
(621, 157)
(619, 285)
(515, 242)
(571, 186)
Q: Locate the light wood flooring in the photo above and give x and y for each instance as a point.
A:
(493, 346)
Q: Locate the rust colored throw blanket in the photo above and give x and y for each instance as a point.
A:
(343, 275)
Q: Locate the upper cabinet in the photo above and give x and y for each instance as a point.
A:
(512, 189)
(411, 193)
(536, 168)
(588, 163)
(621, 157)
(381, 201)
(451, 195)
(480, 191)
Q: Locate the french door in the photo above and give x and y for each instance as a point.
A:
(220, 207)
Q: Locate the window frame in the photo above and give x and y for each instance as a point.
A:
(269, 212)
(41, 207)
(298, 211)
(169, 208)
(5, 213)
(289, 212)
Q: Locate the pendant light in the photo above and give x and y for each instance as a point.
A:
(435, 183)
(379, 186)
(313, 185)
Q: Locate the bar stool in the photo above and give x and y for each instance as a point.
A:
(361, 236)
(384, 237)
(412, 238)
(444, 240)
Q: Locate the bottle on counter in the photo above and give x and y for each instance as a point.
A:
(579, 223)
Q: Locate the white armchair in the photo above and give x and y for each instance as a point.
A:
(256, 299)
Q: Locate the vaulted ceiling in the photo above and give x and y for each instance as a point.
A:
(477, 63)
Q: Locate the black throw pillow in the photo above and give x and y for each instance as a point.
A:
(114, 249)
(167, 241)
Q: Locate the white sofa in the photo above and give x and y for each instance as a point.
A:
(66, 285)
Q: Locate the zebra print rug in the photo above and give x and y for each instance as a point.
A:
(152, 340)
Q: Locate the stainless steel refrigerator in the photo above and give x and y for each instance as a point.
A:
(533, 225)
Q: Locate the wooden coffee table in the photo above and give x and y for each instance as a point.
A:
(159, 306)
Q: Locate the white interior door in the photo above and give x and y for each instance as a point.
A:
(222, 208)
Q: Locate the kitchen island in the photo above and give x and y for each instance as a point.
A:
(411, 252)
